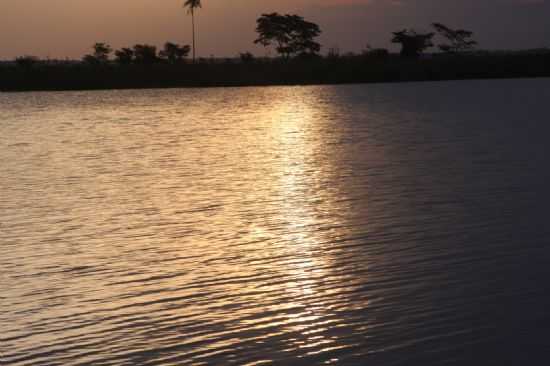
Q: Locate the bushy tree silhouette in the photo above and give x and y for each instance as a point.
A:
(246, 57)
(100, 55)
(174, 53)
(290, 34)
(26, 62)
(459, 39)
(145, 54)
(124, 56)
(375, 53)
(412, 43)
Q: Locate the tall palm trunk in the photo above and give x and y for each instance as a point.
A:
(191, 5)
(193, 23)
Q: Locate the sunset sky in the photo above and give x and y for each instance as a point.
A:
(66, 28)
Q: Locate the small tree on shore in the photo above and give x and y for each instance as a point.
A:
(145, 54)
(124, 56)
(375, 53)
(413, 44)
(174, 53)
(290, 34)
(459, 39)
(26, 62)
(100, 55)
(246, 57)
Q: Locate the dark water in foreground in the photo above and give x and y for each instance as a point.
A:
(348, 225)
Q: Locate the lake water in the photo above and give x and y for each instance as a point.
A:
(397, 224)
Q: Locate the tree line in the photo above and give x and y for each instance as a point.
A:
(138, 54)
(413, 44)
(290, 35)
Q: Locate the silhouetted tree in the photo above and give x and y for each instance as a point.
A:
(145, 54)
(375, 53)
(192, 5)
(26, 62)
(459, 39)
(246, 57)
(290, 34)
(412, 43)
(174, 53)
(100, 55)
(124, 56)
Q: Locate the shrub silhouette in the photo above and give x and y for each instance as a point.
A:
(246, 57)
(375, 53)
(100, 55)
(26, 62)
(412, 43)
(124, 56)
(174, 53)
(145, 54)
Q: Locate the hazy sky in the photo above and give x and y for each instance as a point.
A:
(66, 28)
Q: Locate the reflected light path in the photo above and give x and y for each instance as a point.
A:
(164, 232)
(289, 213)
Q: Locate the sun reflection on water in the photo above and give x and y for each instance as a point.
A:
(296, 133)
(214, 237)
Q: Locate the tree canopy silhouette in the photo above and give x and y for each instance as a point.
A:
(145, 54)
(290, 34)
(375, 53)
(124, 56)
(412, 43)
(246, 57)
(100, 55)
(26, 62)
(459, 40)
(174, 53)
(191, 5)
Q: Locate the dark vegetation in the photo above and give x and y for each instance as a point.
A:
(290, 34)
(299, 62)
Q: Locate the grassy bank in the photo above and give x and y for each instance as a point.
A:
(327, 70)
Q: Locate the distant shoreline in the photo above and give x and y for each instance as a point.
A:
(274, 84)
(265, 72)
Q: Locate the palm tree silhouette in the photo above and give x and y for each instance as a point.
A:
(192, 5)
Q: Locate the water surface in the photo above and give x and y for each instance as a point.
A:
(401, 224)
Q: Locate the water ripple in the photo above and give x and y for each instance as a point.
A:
(336, 225)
